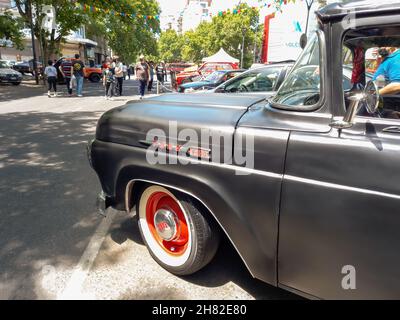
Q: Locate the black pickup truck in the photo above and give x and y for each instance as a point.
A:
(306, 184)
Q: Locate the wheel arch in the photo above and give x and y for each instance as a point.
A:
(207, 187)
(133, 191)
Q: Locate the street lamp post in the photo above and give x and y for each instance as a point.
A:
(33, 44)
(242, 57)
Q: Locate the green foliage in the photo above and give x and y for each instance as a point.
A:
(224, 31)
(10, 29)
(170, 46)
(127, 35)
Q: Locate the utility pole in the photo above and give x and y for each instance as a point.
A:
(33, 43)
(242, 57)
(255, 42)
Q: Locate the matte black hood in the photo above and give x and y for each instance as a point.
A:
(129, 124)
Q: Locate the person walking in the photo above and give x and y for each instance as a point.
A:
(51, 74)
(142, 74)
(151, 76)
(160, 72)
(165, 71)
(129, 71)
(66, 70)
(108, 81)
(79, 74)
(124, 70)
(119, 74)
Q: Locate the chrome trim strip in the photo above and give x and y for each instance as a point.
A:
(128, 193)
(341, 187)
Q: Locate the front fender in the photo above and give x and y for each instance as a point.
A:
(207, 183)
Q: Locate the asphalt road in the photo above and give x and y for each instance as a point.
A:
(53, 245)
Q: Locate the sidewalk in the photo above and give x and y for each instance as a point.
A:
(29, 97)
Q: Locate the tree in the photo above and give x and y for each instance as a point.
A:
(225, 31)
(129, 36)
(70, 17)
(170, 46)
(10, 29)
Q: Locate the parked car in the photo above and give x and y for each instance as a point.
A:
(304, 185)
(9, 63)
(267, 79)
(178, 67)
(211, 81)
(204, 70)
(8, 75)
(93, 74)
(262, 80)
(27, 67)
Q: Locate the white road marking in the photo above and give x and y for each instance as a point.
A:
(73, 289)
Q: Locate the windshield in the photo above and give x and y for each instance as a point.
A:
(302, 86)
(3, 65)
(214, 77)
(260, 80)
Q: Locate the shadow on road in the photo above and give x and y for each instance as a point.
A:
(26, 89)
(47, 192)
(226, 267)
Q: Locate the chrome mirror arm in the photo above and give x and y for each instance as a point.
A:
(348, 119)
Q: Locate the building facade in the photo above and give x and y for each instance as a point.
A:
(194, 13)
(92, 51)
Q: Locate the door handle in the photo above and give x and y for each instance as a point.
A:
(393, 129)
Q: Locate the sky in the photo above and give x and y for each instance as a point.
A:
(175, 6)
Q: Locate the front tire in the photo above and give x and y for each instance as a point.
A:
(95, 78)
(176, 231)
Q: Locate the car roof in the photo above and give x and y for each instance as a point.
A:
(336, 11)
(272, 65)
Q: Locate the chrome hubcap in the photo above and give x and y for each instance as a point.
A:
(166, 224)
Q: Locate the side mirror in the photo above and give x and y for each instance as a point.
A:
(348, 119)
(371, 99)
(303, 41)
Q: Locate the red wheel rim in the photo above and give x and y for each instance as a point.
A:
(161, 200)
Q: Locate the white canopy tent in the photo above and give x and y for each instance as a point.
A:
(221, 56)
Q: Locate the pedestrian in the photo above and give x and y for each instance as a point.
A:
(119, 74)
(108, 81)
(124, 70)
(165, 71)
(160, 72)
(51, 74)
(151, 76)
(142, 74)
(79, 74)
(129, 72)
(66, 70)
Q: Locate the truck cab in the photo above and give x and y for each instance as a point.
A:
(303, 184)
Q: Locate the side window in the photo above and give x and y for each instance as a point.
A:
(255, 81)
(376, 57)
(302, 87)
(347, 68)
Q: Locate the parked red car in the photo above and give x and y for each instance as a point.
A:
(178, 67)
(204, 70)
